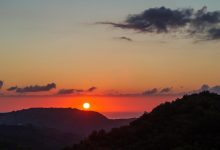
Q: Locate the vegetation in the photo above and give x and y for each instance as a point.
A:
(190, 123)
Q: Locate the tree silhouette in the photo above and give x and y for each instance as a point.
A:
(190, 123)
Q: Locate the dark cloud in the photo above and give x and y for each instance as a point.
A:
(75, 91)
(69, 91)
(125, 38)
(13, 88)
(214, 34)
(166, 90)
(92, 89)
(215, 89)
(200, 23)
(151, 92)
(204, 18)
(1, 84)
(36, 88)
(205, 87)
(65, 91)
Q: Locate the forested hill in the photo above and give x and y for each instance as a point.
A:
(189, 123)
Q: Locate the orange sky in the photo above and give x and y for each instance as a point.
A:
(106, 105)
(62, 43)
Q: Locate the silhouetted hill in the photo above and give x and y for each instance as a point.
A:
(64, 119)
(50, 128)
(190, 123)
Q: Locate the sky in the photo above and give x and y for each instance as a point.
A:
(80, 45)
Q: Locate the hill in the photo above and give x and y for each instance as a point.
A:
(64, 119)
(51, 128)
(190, 123)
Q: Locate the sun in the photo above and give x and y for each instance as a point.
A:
(86, 105)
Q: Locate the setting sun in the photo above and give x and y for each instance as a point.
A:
(86, 105)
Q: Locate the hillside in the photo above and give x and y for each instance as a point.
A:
(64, 119)
(50, 128)
(190, 123)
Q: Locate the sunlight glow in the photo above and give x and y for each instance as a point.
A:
(86, 105)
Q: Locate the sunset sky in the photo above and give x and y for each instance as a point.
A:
(90, 52)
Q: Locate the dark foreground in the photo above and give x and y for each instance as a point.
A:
(50, 128)
(190, 123)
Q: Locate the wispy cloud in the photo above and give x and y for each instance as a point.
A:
(202, 24)
(69, 91)
(125, 38)
(91, 89)
(151, 92)
(75, 91)
(166, 90)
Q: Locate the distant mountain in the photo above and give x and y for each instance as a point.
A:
(190, 123)
(51, 128)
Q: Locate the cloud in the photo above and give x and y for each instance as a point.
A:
(125, 38)
(197, 23)
(36, 88)
(65, 91)
(1, 84)
(69, 91)
(214, 33)
(92, 89)
(205, 87)
(215, 89)
(75, 91)
(151, 92)
(13, 88)
(166, 90)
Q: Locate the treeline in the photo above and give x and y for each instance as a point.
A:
(189, 123)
